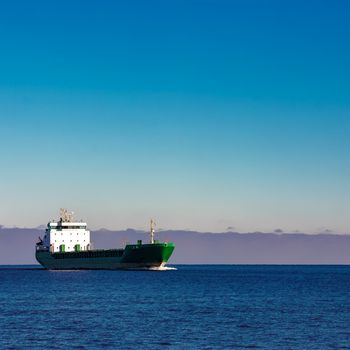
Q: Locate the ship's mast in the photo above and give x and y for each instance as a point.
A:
(65, 215)
(152, 231)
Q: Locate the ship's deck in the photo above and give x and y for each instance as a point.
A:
(89, 254)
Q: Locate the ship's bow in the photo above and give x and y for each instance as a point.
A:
(147, 255)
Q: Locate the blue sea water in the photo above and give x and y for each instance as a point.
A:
(193, 307)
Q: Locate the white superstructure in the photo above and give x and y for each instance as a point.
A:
(66, 235)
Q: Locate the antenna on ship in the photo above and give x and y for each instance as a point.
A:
(152, 231)
(65, 215)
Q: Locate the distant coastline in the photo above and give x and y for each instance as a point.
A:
(17, 246)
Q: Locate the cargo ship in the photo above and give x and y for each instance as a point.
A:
(67, 246)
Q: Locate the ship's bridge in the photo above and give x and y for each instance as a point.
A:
(66, 225)
(64, 236)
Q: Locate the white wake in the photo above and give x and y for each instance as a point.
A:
(162, 268)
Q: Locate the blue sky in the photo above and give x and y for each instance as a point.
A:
(202, 114)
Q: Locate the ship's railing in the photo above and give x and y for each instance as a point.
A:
(41, 248)
(101, 253)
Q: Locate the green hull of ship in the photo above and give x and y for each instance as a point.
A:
(143, 256)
